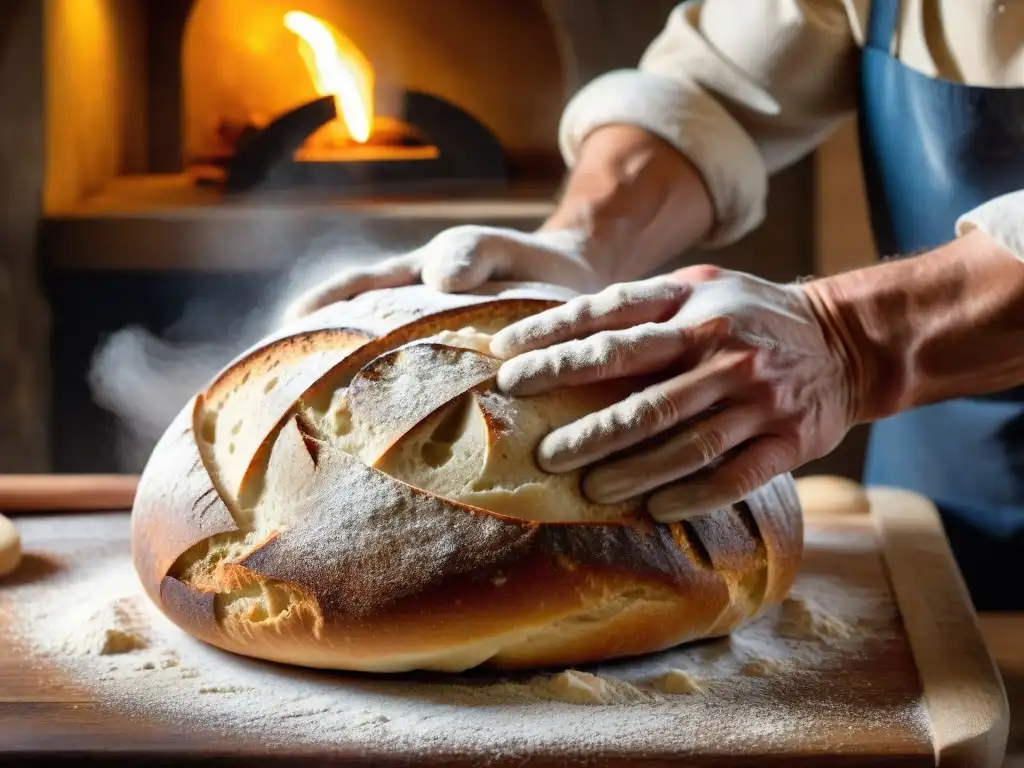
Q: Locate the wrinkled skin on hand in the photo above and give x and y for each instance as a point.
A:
(462, 259)
(748, 385)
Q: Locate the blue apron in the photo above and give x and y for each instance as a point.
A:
(931, 151)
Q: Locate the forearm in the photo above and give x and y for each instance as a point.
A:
(948, 323)
(638, 201)
(739, 89)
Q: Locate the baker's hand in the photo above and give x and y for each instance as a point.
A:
(463, 258)
(751, 384)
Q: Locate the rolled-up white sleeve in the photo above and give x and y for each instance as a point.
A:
(742, 88)
(1001, 218)
(680, 112)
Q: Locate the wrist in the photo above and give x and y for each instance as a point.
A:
(919, 330)
(635, 201)
(847, 319)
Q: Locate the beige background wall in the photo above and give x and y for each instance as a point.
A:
(843, 236)
(95, 91)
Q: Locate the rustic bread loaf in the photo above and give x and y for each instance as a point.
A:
(356, 494)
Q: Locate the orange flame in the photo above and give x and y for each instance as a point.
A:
(338, 69)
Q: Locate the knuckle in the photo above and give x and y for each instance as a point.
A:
(772, 461)
(649, 339)
(610, 299)
(675, 293)
(699, 273)
(618, 293)
(706, 271)
(754, 476)
(656, 410)
(462, 240)
(580, 309)
(604, 350)
(621, 296)
(709, 443)
(660, 290)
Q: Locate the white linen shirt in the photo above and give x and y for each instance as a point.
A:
(745, 88)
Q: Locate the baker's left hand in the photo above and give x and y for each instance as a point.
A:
(752, 382)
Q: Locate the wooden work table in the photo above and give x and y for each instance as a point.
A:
(1004, 635)
(933, 658)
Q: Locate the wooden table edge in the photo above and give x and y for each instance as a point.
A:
(970, 724)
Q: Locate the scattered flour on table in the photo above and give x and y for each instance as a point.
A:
(801, 619)
(92, 620)
(763, 668)
(107, 630)
(584, 688)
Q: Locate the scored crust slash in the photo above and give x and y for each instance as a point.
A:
(350, 500)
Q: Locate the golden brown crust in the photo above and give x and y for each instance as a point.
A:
(189, 608)
(297, 347)
(369, 573)
(176, 504)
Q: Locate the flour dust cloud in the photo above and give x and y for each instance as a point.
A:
(144, 378)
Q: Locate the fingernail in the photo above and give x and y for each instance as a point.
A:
(678, 504)
(499, 346)
(508, 377)
(510, 342)
(557, 452)
(525, 375)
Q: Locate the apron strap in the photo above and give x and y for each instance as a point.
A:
(882, 21)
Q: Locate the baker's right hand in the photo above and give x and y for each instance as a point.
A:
(754, 379)
(461, 259)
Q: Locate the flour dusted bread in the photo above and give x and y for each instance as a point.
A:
(355, 493)
(10, 547)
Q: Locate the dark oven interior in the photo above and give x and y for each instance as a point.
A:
(356, 97)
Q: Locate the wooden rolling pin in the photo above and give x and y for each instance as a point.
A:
(69, 493)
(66, 493)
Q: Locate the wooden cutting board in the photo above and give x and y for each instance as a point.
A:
(908, 682)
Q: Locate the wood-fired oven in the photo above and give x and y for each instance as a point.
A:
(194, 151)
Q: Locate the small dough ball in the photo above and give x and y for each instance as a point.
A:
(10, 547)
(799, 620)
(680, 681)
(831, 495)
(579, 687)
